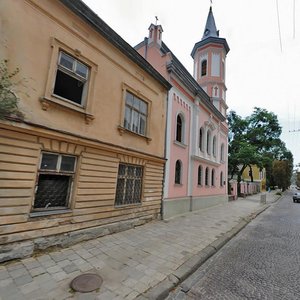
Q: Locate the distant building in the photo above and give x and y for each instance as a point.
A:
(259, 176)
(197, 132)
(88, 159)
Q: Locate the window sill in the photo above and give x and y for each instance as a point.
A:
(123, 130)
(44, 213)
(178, 184)
(56, 100)
(128, 205)
(182, 145)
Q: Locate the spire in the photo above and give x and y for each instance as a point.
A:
(210, 27)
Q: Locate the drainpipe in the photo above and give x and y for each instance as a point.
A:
(165, 184)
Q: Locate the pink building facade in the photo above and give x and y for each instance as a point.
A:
(197, 132)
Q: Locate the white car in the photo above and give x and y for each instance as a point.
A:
(296, 197)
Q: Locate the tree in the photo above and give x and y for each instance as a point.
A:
(8, 99)
(281, 173)
(255, 140)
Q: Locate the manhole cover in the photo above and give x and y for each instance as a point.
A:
(85, 283)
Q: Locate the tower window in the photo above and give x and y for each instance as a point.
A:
(204, 67)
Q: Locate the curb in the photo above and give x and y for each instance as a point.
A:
(162, 289)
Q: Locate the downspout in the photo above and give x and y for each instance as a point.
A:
(165, 156)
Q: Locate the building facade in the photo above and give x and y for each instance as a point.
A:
(197, 132)
(88, 157)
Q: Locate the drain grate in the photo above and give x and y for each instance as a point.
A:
(86, 283)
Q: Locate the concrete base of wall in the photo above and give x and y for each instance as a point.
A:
(177, 206)
(27, 248)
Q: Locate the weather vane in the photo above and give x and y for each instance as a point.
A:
(156, 19)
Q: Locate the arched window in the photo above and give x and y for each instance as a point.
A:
(201, 139)
(222, 153)
(200, 175)
(179, 129)
(221, 179)
(208, 142)
(214, 149)
(204, 67)
(206, 176)
(178, 167)
(213, 177)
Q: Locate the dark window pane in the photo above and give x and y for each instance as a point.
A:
(67, 163)
(49, 161)
(143, 107)
(178, 172)
(52, 191)
(120, 191)
(129, 99)
(66, 61)
(68, 87)
(81, 70)
(203, 67)
(179, 129)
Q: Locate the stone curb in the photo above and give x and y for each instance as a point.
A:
(162, 289)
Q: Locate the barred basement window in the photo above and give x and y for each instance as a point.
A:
(55, 178)
(129, 185)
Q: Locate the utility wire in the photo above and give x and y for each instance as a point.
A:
(294, 19)
(278, 20)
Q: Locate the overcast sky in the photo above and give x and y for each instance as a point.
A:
(261, 71)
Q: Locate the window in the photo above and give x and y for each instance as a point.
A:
(206, 176)
(203, 67)
(214, 146)
(200, 175)
(178, 172)
(136, 111)
(201, 137)
(179, 129)
(213, 177)
(222, 153)
(129, 185)
(55, 178)
(71, 79)
(208, 142)
(221, 179)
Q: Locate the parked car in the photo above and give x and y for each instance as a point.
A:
(296, 197)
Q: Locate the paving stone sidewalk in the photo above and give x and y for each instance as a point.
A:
(137, 263)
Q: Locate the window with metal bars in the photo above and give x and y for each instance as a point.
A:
(129, 185)
(55, 178)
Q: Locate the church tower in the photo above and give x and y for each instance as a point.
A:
(209, 63)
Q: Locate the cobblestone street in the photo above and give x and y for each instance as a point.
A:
(261, 262)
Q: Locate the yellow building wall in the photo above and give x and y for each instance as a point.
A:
(31, 34)
(256, 176)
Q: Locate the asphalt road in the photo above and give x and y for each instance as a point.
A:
(261, 262)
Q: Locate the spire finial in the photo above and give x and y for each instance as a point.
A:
(156, 19)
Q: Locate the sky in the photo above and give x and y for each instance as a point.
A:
(263, 64)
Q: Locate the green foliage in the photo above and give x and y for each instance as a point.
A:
(8, 99)
(281, 174)
(255, 140)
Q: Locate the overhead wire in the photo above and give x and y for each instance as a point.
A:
(278, 22)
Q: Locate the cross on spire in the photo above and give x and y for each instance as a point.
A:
(156, 19)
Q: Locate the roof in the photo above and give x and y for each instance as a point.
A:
(210, 27)
(89, 17)
(186, 78)
(210, 35)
